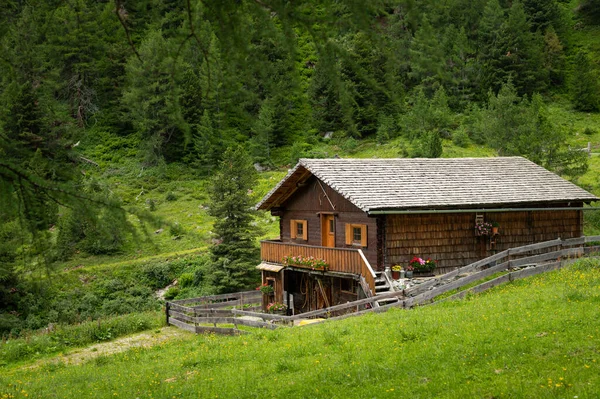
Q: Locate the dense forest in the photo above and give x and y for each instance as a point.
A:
(159, 82)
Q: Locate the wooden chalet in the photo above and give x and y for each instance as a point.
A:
(360, 216)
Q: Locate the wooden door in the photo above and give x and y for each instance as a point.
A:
(328, 231)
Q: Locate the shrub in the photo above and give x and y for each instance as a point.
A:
(157, 275)
(186, 280)
(588, 131)
(460, 138)
(176, 230)
(171, 196)
(172, 292)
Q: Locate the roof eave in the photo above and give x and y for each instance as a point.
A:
(514, 207)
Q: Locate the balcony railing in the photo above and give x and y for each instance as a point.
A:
(345, 260)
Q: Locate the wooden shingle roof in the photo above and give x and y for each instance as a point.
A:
(427, 183)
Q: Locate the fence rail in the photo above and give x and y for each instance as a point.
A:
(514, 263)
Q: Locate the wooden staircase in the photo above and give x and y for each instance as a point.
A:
(382, 286)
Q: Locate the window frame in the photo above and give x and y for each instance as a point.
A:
(294, 223)
(350, 235)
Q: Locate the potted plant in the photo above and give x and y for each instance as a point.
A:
(396, 269)
(409, 271)
(483, 228)
(265, 289)
(422, 266)
(495, 226)
(277, 308)
(306, 262)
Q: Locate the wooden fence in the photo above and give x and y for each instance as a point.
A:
(512, 264)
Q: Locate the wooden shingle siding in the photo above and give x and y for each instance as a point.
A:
(450, 238)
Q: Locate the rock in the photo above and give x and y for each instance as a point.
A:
(328, 135)
(259, 167)
(159, 231)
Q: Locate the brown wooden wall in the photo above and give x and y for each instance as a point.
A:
(309, 200)
(450, 238)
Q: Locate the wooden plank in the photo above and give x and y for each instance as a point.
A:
(591, 250)
(218, 330)
(537, 258)
(233, 296)
(348, 305)
(256, 323)
(573, 252)
(426, 296)
(182, 325)
(265, 316)
(418, 289)
(213, 320)
(574, 241)
(181, 316)
(533, 247)
(532, 271)
(219, 305)
(180, 308)
(380, 309)
(592, 238)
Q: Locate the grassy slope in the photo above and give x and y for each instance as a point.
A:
(538, 337)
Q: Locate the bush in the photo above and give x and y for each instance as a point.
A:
(176, 230)
(186, 280)
(588, 131)
(171, 293)
(460, 138)
(171, 196)
(157, 275)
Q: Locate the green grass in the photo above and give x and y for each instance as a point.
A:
(534, 338)
(63, 337)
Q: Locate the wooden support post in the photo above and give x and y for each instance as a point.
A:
(167, 312)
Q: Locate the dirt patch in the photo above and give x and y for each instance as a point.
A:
(145, 340)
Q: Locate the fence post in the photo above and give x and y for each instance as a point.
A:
(167, 312)
(560, 248)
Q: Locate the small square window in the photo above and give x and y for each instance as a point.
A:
(356, 235)
(298, 230)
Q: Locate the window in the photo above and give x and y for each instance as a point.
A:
(356, 234)
(347, 285)
(298, 229)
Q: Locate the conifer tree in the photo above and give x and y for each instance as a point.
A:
(427, 59)
(235, 255)
(490, 52)
(584, 88)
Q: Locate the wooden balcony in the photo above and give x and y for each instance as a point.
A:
(345, 260)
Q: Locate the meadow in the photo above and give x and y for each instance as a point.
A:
(538, 337)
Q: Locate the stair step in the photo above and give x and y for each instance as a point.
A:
(382, 288)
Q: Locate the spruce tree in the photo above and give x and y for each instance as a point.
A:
(235, 255)
(584, 88)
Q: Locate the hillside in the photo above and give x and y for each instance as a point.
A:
(538, 337)
(114, 116)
